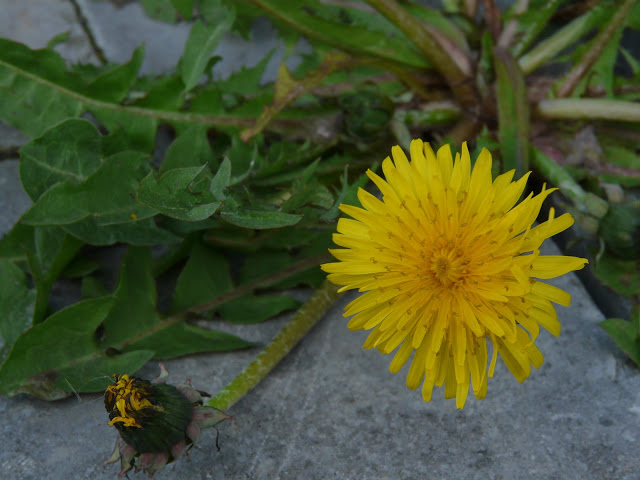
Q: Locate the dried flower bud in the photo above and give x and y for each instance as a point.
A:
(156, 421)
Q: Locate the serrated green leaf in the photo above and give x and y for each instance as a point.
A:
(35, 367)
(190, 149)
(348, 194)
(15, 244)
(256, 309)
(93, 288)
(166, 93)
(141, 233)
(202, 41)
(360, 41)
(68, 152)
(46, 251)
(243, 157)
(221, 180)
(182, 193)
(133, 324)
(134, 307)
(625, 334)
(633, 21)
(39, 91)
(245, 81)
(141, 129)
(621, 275)
(106, 195)
(184, 8)
(185, 339)
(59, 39)
(114, 84)
(79, 267)
(183, 228)
(205, 276)
(312, 194)
(17, 303)
(162, 10)
(260, 220)
(52, 250)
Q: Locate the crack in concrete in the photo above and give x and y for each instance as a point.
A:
(84, 23)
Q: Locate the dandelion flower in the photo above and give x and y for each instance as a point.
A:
(447, 262)
(157, 422)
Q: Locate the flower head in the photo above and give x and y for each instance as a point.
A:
(157, 422)
(448, 261)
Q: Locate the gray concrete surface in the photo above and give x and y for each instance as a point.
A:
(331, 410)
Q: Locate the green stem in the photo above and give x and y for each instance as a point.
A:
(301, 266)
(287, 338)
(589, 108)
(447, 58)
(593, 53)
(557, 42)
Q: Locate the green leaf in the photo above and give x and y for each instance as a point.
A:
(47, 251)
(106, 195)
(625, 334)
(184, 339)
(62, 354)
(114, 84)
(80, 267)
(133, 323)
(513, 113)
(15, 244)
(245, 81)
(163, 10)
(360, 41)
(93, 288)
(17, 302)
(51, 251)
(166, 93)
(348, 194)
(182, 193)
(260, 220)
(243, 157)
(312, 194)
(39, 91)
(184, 8)
(68, 152)
(140, 233)
(134, 307)
(221, 180)
(190, 149)
(621, 275)
(205, 276)
(203, 40)
(256, 309)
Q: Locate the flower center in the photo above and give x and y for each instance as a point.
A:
(445, 267)
(125, 398)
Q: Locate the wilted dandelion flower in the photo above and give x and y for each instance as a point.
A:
(157, 422)
(448, 260)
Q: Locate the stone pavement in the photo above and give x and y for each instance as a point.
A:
(330, 409)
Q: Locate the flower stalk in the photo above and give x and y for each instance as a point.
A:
(589, 108)
(304, 319)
